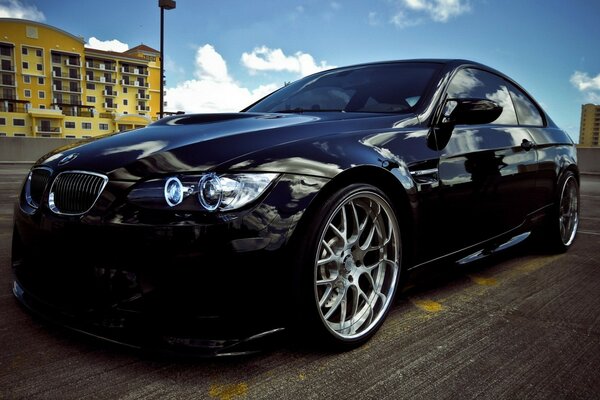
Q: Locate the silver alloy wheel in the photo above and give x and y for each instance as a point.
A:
(569, 211)
(357, 265)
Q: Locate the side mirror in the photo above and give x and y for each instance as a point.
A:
(461, 112)
(469, 112)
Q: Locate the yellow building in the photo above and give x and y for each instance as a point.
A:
(52, 86)
(589, 131)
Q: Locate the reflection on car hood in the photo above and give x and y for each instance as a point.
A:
(199, 142)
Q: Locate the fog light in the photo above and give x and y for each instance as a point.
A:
(173, 192)
(210, 192)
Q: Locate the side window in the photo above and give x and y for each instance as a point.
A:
(527, 112)
(475, 83)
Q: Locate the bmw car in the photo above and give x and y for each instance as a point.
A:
(303, 212)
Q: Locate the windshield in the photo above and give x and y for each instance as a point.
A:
(381, 88)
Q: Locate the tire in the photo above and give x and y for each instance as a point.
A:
(561, 228)
(348, 267)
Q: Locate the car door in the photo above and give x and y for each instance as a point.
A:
(486, 171)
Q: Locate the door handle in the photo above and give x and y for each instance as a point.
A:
(527, 144)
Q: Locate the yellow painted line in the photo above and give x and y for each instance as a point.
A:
(228, 391)
(480, 280)
(429, 306)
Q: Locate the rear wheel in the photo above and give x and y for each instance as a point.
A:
(562, 226)
(350, 266)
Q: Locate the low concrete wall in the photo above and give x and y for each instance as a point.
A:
(589, 159)
(24, 149)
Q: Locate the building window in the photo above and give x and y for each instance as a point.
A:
(41, 80)
(38, 52)
(18, 122)
(42, 94)
(20, 134)
(124, 90)
(2, 133)
(103, 127)
(26, 78)
(91, 99)
(86, 125)
(70, 136)
(56, 58)
(86, 137)
(27, 93)
(90, 86)
(42, 106)
(2, 121)
(24, 50)
(40, 67)
(125, 102)
(69, 124)
(25, 65)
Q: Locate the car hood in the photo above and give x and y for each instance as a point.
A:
(200, 142)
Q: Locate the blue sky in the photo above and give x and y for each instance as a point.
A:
(222, 55)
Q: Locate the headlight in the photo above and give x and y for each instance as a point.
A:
(208, 192)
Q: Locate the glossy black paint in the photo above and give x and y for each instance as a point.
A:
(212, 280)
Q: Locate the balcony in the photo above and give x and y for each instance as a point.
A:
(55, 130)
(113, 93)
(100, 79)
(142, 97)
(110, 105)
(142, 108)
(7, 68)
(73, 63)
(134, 83)
(66, 89)
(66, 75)
(100, 66)
(134, 71)
(7, 82)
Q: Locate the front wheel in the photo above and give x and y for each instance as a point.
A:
(350, 266)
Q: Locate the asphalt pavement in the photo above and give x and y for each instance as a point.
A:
(520, 325)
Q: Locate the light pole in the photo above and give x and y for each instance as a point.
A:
(164, 5)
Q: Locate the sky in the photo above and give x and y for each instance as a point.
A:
(221, 55)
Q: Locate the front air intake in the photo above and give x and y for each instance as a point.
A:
(75, 192)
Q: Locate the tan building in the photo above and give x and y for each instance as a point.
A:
(52, 86)
(589, 132)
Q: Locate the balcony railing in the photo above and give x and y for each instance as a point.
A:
(7, 68)
(7, 82)
(100, 79)
(142, 108)
(110, 94)
(56, 130)
(66, 75)
(12, 108)
(142, 96)
(134, 83)
(102, 67)
(66, 89)
(134, 71)
(73, 63)
(110, 105)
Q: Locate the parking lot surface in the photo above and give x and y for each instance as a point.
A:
(519, 325)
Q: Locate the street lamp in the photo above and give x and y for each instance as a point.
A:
(164, 5)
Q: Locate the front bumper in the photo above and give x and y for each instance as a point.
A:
(150, 282)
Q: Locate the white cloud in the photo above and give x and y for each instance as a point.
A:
(107, 45)
(265, 59)
(16, 9)
(436, 10)
(590, 86)
(213, 89)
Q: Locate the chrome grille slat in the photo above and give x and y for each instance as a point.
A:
(75, 192)
(38, 180)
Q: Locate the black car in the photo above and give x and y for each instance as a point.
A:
(301, 212)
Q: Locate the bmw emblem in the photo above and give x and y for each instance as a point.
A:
(68, 159)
